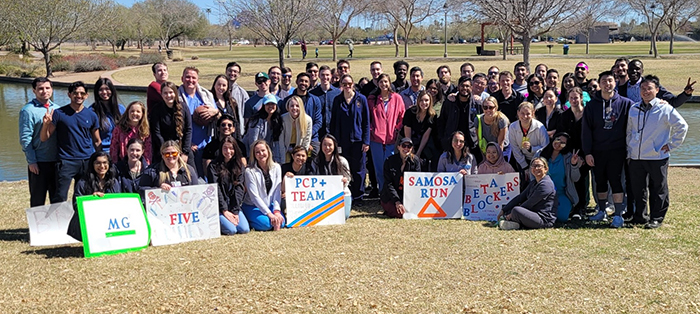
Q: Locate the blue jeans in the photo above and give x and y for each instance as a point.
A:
(348, 204)
(228, 228)
(380, 153)
(67, 170)
(257, 219)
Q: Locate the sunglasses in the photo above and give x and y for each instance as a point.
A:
(535, 83)
(406, 145)
(493, 73)
(172, 154)
(286, 76)
(537, 166)
(488, 107)
(260, 81)
(227, 125)
(80, 93)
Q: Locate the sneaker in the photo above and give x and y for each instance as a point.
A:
(617, 222)
(508, 225)
(599, 216)
(652, 224)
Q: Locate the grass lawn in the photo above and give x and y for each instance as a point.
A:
(212, 60)
(370, 265)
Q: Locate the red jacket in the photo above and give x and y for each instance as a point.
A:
(385, 125)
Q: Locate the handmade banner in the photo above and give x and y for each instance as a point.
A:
(486, 194)
(114, 223)
(431, 195)
(48, 224)
(183, 214)
(314, 200)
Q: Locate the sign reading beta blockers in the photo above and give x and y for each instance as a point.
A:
(486, 194)
(112, 224)
(432, 195)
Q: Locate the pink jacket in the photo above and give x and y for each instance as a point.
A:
(384, 125)
(117, 149)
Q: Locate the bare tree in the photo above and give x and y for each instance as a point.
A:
(114, 26)
(680, 14)
(143, 27)
(277, 21)
(528, 18)
(45, 25)
(592, 14)
(655, 15)
(336, 15)
(175, 18)
(405, 14)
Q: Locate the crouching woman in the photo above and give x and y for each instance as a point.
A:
(536, 206)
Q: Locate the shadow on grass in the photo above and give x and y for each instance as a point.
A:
(58, 252)
(20, 235)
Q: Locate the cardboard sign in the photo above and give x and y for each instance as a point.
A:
(432, 195)
(486, 194)
(183, 214)
(48, 224)
(314, 200)
(112, 224)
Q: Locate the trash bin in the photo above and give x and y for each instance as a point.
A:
(566, 49)
(478, 50)
(169, 53)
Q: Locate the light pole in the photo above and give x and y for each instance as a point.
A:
(445, 8)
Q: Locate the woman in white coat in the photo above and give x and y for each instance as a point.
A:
(263, 178)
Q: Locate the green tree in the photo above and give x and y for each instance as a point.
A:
(175, 18)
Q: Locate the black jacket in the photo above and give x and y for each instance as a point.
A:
(129, 184)
(392, 191)
(231, 190)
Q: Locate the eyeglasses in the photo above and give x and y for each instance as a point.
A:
(561, 143)
(537, 166)
(406, 145)
(171, 154)
(488, 107)
(227, 125)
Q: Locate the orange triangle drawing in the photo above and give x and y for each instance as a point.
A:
(439, 214)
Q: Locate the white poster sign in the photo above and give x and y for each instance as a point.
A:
(314, 200)
(48, 224)
(486, 194)
(183, 214)
(432, 195)
(114, 223)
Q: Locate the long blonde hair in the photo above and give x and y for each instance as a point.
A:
(163, 171)
(302, 114)
(499, 116)
(254, 162)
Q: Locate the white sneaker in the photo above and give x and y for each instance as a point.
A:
(508, 225)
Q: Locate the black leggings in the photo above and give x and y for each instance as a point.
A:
(608, 169)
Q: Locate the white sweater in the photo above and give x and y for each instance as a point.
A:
(256, 193)
(537, 135)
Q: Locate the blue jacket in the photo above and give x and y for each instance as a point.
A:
(356, 114)
(650, 127)
(312, 108)
(30, 121)
(326, 98)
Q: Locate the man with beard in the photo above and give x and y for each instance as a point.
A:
(410, 95)
(620, 71)
(580, 74)
(631, 90)
(445, 76)
(312, 106)
(456, 116)
(285, 84)
(275, 74)
(520, 85)
(467, 69)
(400, 70)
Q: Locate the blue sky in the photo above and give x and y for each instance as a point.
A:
(201, 3)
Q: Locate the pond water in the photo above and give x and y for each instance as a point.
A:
(13, 96)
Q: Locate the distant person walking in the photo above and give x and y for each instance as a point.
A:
(351, 48)
(303, 49)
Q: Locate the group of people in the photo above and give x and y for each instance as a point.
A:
(494, 122)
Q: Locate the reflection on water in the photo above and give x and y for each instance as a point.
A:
(13, 96)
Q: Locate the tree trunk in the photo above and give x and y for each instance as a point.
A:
(396, 43)
(335, 52)
(526, 49)
(47, 61)
(280, 54)
(588, 39)
(114, 49)
(653, 45)
(141, 45)
(670, 44)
